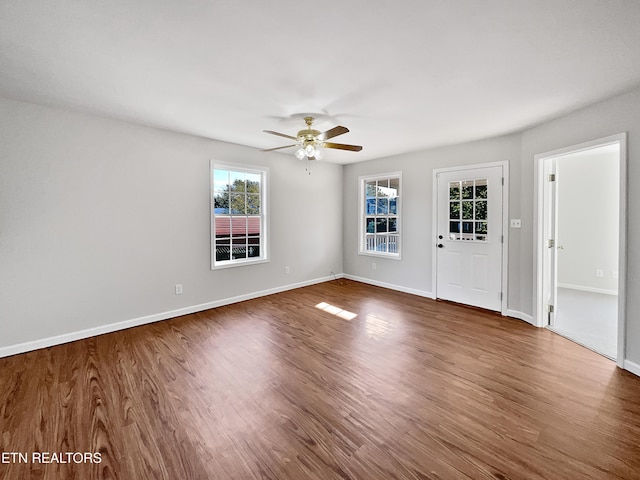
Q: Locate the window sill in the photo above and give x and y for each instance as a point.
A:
(237, 263)
(392, 256)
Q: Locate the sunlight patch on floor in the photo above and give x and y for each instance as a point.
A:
(338, 312)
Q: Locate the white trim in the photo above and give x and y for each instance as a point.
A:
(505, 233)
(135, 322)
(239, 263)
(521, 316)
(422, 293)
(470, 167)
(391, 256)
(265, 256)
(505, 226)
(539, 232)
(538, 241)
(391, 286)
(361, 215)
(434, 230)
(622, 248)
(632, 367)
(582, 288)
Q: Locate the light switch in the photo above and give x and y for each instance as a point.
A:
(516, 223)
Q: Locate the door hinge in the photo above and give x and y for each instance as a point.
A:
(502, 180)
(550, 308)
(500, 296)
(551, 243)
(552, 177)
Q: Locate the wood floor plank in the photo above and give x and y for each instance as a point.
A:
(278, 388)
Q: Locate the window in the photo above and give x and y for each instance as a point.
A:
(380, 215)
(468, 210)
(238, 219)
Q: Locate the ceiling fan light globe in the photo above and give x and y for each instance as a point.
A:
(300, 154)
(309, 150)
(319, 154)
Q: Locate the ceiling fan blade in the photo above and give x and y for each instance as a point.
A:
(280, 134)
(342, 146)
(278, 148)
(334, 132)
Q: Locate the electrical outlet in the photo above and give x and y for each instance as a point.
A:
(373, 266)
(287, 271)
(599, 273)
(178, 289)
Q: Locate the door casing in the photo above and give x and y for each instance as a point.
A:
(505, 225)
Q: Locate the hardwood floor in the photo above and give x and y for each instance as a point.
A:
(275, 388)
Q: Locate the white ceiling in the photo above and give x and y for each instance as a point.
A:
(401, 75)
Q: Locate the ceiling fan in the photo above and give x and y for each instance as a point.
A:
(311, 142)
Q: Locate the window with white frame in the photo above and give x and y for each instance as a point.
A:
(380, 215)
(238, 217)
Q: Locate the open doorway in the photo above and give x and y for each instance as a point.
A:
(581, 246)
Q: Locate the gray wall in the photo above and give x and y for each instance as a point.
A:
(99, 219)
(413, 271)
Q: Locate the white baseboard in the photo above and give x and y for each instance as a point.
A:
(422, 293)
(135, 322)
(587, 289)
(521, 316)
(632, 367)
(391, 286)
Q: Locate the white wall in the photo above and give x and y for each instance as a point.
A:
(99, 219)
(588, 193)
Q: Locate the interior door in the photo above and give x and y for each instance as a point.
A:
(470, 237)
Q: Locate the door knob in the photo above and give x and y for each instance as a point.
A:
(440, 245)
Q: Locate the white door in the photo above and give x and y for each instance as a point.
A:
(470, 237)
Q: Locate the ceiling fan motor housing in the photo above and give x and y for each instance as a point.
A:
(308, 135)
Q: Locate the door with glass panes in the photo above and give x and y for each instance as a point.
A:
(469, 237)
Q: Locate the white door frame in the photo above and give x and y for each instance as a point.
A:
(541, 232)
(505, 225)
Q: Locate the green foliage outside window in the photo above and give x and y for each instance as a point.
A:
(240, 198)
